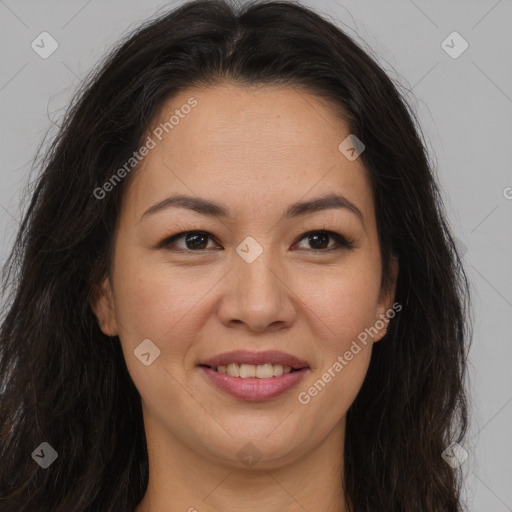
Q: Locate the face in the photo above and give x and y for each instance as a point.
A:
(263, 276)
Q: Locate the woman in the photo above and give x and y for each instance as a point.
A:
(235, 284)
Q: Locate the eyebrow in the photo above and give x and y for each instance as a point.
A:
(213, 209)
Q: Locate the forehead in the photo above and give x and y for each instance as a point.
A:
(248, 146)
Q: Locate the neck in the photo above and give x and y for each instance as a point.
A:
(311, 481)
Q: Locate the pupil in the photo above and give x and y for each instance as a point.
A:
(324, 235)
(196, 237)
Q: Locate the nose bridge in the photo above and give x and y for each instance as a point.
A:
(258, 295)
(257, 275)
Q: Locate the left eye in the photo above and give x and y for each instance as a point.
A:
(320, 239)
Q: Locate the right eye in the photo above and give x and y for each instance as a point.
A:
(194, 241)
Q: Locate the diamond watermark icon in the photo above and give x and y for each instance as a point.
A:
(351, 147)
(455, 455)
(249, 249)
(44, 455)
(44, 45)
(249, 454)
(147, 352)
(454, 45)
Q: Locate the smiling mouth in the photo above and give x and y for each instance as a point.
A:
(247, 371)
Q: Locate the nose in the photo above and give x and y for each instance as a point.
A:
(258, 296)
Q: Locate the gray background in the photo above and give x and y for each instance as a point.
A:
(464, 105)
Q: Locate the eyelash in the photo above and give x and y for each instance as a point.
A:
(342, 242)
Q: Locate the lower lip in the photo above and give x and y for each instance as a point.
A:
(254, 388)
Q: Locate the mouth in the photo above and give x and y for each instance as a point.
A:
(254, 376)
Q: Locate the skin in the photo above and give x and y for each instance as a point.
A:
(255, 151)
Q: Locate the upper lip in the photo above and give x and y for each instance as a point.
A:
(255, 358)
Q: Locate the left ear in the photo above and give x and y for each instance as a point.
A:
(103, 306)
(386, 300)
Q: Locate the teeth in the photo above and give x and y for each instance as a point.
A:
(279, 370)
(263, 371)
(233, 369)
(260, 371)
(247, 370)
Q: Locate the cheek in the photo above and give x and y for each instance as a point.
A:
(153, 304)
(161, 303)
(143, 304)
(345, 308)
(345, 300)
